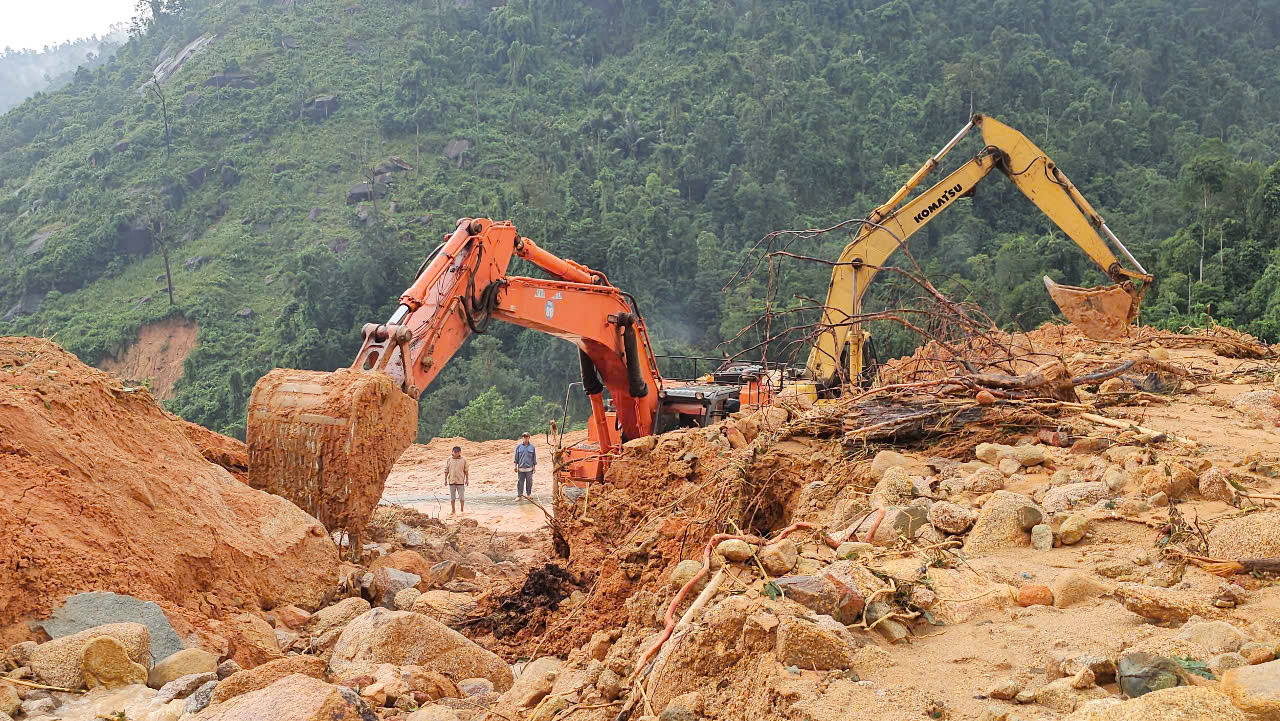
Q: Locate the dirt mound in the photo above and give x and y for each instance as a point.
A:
(103, 490)
(1017, 353)
(156, 357)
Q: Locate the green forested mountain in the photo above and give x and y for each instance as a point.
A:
(26, 72)
(654, 139)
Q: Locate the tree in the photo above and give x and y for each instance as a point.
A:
(490, 417)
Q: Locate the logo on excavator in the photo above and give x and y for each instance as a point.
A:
(551, 309)
(947, 195)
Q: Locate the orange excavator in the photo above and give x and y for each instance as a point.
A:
(327, 441)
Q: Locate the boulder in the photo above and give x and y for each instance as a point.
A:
(1042, 537)
(97, 608)
(1224, 662)
(984, 480)
(58, 662)
(1213, 637)
(184, 686)
(684, 572)
(1161, 605)
(383, 584)
(1215, 485)
(1256, 535)
(291, 617)
(951, 518)
(814, 593)
(1073, 529)
(446, 607)
(1071, 587)
(884, 460)
(292, 698)
(1035, 595)
(1064, 697)
(105, 662)
(337, 615)
(405, 597)
(251, 640)
(1141, 673)
(267, 674)
(1255, 690)
(734, 549)
(998, 525)
(9, 700)
(320, 107)
(183, 663)
(394, 685)
(1076, 495)
(199, 699)
(895, 488)
(809, 645)
(534, 683)
(779, 558)
(404, 638)
(1182, 703)
(404, 560)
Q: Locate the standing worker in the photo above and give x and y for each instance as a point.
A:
(457, 475)
(526, 461)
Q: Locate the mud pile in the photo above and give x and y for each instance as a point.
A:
(103, 490)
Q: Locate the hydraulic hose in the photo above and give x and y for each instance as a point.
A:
(637, 386)
(590, 378)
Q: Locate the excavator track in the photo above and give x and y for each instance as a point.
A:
(326, 441)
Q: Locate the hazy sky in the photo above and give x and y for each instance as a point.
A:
(36, 23)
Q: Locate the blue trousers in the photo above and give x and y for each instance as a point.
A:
(524, 483)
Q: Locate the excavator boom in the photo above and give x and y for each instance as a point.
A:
(1100, 313)
(326, 441)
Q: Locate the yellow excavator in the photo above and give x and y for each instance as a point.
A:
(1102, 313)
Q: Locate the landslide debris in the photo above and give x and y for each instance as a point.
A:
(997, 563)
(102, 490)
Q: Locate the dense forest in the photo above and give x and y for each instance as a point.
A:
(25, 72)
(657, 140)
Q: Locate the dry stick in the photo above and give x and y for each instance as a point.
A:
(41, 686)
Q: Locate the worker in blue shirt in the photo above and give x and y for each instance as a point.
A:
(526, 458)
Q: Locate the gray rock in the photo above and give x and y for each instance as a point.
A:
(184, 686)
(1142, 673)
(228, 668)
(199, 699)
(96, 608)
(1029, 517)
(1042, 537)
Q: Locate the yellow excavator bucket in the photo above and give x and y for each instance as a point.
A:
(326, 441)
(1100, 313)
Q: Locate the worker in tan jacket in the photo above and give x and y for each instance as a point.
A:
(457, 475)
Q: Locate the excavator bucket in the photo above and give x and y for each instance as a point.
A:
(326, 441)
(1100, 313)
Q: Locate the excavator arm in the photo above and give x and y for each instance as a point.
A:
(1100, 313)
(327, 441)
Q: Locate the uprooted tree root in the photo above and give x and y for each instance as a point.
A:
(541, 593)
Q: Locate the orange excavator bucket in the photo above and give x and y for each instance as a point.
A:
(326, 441)
(1100, 313)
